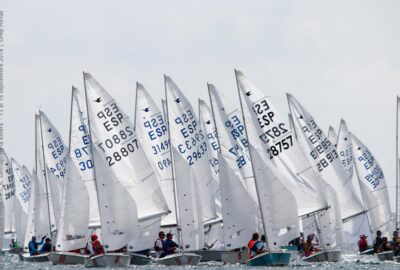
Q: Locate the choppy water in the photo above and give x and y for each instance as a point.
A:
(349, 262)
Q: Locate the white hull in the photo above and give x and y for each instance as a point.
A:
(44, 257)
(385, 256)
(67, 258)
(231, 257)
(180, 259)
(396, 259)
(324, 256)
(108, 260)
(139, 259)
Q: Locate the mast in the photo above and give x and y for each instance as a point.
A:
(252, 164)
(178, 228)
(45, 170)
(397, 167)
(134, 116)
(91, 145)
(70, 118)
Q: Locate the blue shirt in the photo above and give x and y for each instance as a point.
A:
(34, 247)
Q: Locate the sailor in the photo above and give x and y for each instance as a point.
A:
(255, 246)
(385, 245)
(362, 243)
(158, 245)
(34, 246)
(94, 247)
(264, 240)
(169, 245)
(308, 246)
(377, 241)
(46, 246)
(13, 243)
(396, 243)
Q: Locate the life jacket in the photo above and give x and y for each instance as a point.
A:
(252, 247)
(308, 248)
(35, 245)
(97, 247)
(362, 245)
(157, 248)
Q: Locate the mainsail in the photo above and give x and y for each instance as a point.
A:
(55, 160)
(152, 131)
(397, 164)
(74, 219)
(8, 192)
(23, 187)
(194, 182)
(125, 181)
(322, 154)
(80, 153)
(373, 188)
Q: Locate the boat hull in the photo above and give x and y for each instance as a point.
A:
(108, 260)
(274, 258)
(385, 256)
(44, 257)
(180, 259)
(396, 259)
(15, 250)
(324, 256)
(67, 258)
(225, 256)
(139, 259)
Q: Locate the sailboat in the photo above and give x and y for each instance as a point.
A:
(374, 192)
(193, 189)
(77, 206)
(41, 221)
(274, 198)
(125, 180)
(315, 198)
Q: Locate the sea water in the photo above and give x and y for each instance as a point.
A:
(350, 260)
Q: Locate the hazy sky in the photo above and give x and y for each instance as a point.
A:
(340, 59)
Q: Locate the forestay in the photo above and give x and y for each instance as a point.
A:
(152, 131)
(125, 180)
(8, 192)
(322, 154)
(80, 153)
(55, 158)
(373, 188)
(194, 182)
(23, 187)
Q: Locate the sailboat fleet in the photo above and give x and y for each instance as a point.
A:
(213, 178)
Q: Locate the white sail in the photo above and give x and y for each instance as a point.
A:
(344, 149)
(290, 165)
(7, 181)
(81, 154)
(74, 220)
(45, 193)
(2, 216)
(373, 188)
(194, 182)
(282, 148)
(323, 155)
(208, 126)
(125, 181)
(55, 158)
(38, 212)
(233, 142)
(332, 136)
(152, 132)
(23, 187)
